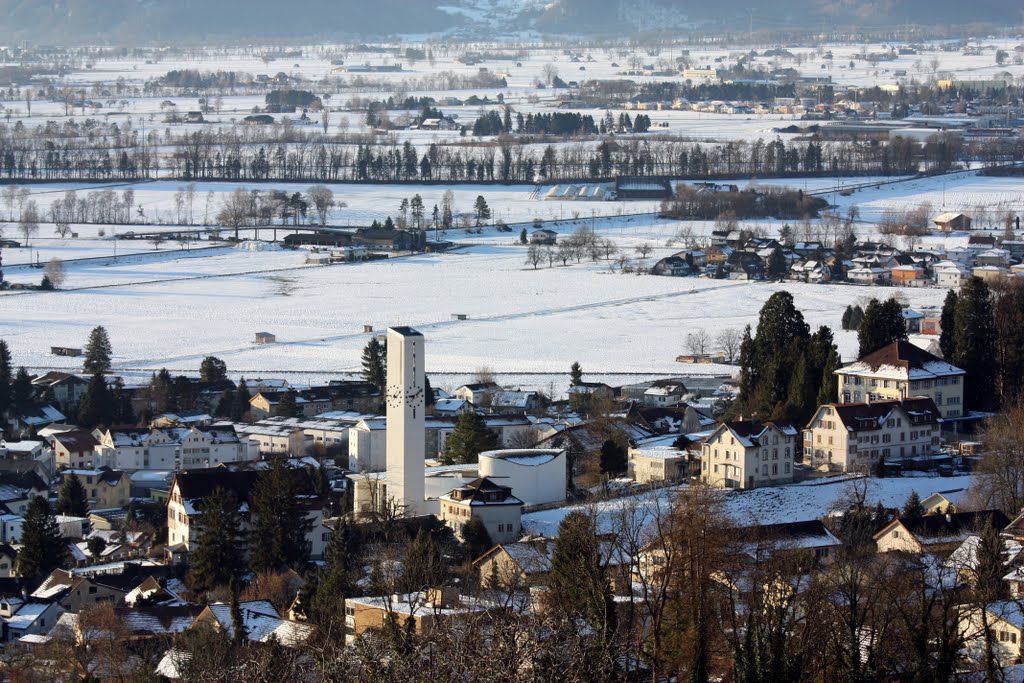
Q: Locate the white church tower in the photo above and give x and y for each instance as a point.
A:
(406, 425)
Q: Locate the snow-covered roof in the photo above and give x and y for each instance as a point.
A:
(528, 457)
(261, 621)
(27, 615)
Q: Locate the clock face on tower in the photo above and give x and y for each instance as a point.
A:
(414, 397)
(394, 396)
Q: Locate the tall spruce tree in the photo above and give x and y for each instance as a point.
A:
(469, 439)
(288, 406)
(1009, 316)
(23, 394)
(882, 325)
(575, 374)
(768, 361)
(213, 369)
(974, 340)
(218, 556)
(43, 549)
(578, 586)
(279, 521)
(375, 363)
(913, 509)
(476, 538)
(240, 402)
(947, 321)
(72, 500)
(613, 458)
(6, 376)
(324, 604)
(97, 404)
(97, 352)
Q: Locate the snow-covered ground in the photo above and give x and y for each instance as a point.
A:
(770, 505)
(171, 313)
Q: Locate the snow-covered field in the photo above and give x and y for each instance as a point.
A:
(770, 505)
(171, 313)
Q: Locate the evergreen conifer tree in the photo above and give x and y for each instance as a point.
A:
(97, 352)
(476, 538)
(882, 324)
(217, 557)
(578, 585)
(6, 376)
(22, 391)
(777, 265)
(847, 317)
(72, 500)
(279, 522)
(288, 405)
(912, 509)
(613, 458)
(240, 402)
(43, 549)
(575, 374)
(375, 363)
(947, 323)
(213, 369)
(97, 405)
(469, 439)
(974, 342)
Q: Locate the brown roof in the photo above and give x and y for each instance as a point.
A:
(483, 490)
(949, 527)
(901, 354)
(76, 441)
(865, 416)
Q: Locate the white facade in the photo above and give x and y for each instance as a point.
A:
(406, 413)
(537, 476)
(171, 448)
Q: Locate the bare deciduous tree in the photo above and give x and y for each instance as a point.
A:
(54, 271)
(697, 342)
(729, 342)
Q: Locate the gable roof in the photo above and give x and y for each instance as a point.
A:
(952, 527)
(483, 491)
(76, 441)
(750, 432)
(920, 410)
(904, 360)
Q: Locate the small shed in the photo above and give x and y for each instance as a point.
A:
(460, 316)
(65, 351)
(265, 338)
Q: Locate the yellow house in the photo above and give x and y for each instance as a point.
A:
(934, 533)
(901, 370)
(1006, 622)
(515, 564)
(857, 436)
(746, 454)
(105, 488)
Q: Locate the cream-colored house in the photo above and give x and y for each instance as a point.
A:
(516, 565)
(901, 370)
(190, 488)
(934, 533)
(1005, 620)
(745, 454)
(493, 504)
(170, 448)
(849, 437)
(656, 464)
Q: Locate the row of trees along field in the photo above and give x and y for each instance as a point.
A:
(94, 150)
